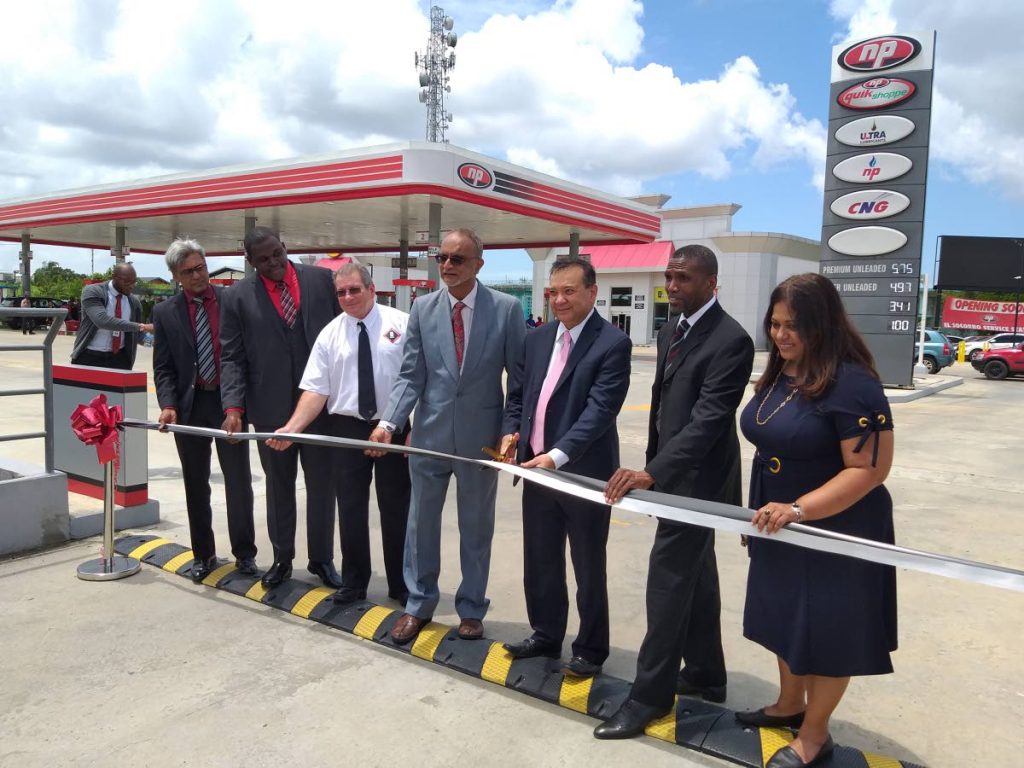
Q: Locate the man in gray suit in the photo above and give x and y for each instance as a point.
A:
(112, 324)
(459, 341)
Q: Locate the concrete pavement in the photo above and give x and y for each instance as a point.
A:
(154, 670)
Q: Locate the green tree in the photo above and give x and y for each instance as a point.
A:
(56, 282)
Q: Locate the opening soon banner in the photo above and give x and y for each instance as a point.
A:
(982, 314)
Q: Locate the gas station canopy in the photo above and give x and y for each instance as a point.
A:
(358, 200)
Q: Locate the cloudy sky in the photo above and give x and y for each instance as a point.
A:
(709, 101)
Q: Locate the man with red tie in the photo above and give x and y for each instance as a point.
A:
(269, 323)
(112, 324)
(186, 372)
(563, 399)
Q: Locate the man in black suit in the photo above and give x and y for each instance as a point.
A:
(186, 371)
(563, 398)
(269, 323)
(704, 363)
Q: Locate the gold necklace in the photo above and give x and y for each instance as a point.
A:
(779, 407)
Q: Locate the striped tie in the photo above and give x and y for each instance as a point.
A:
(287, 304)
(677, 341)
(204, 344)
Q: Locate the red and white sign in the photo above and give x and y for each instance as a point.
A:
(983, 314)
(876, 93)
(475, 176)
(870, 204)
(879, 53)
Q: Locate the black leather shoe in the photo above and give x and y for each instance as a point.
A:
(277, 573)
(629, 721)
(326, 573)
(787, 757)
(347, 595)
(686, 686)
(531, 647)
(577, 666)
(246, 566)
(203, 568)
(759, 719)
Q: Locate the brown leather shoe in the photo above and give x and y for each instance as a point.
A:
(471, 629)
(407, 627)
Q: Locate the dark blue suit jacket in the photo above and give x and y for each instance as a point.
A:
(580, 419)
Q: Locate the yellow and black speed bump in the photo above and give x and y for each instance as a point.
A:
(693, 723)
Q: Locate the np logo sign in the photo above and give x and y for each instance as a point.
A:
(475, 176)
(879, 53)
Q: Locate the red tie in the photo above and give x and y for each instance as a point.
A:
(460, 333)
(115, 345)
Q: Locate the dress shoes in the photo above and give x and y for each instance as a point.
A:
(686, 686)
(531, 647)
(203, 567)
(246, 566)
(577, 666)
(787, 757)
(471, 629)
(760, 719)
(277, 573)
(348, 595)
(407, 627)
(631, 720)
(326, 573)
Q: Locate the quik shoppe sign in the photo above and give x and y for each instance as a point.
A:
(876, 170)
(987, 315)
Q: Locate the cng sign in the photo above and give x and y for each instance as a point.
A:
(870, 204)
(877, 93)
(475, 176)
(870, 169)
(879, 53)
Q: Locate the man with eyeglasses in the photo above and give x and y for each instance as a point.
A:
(186, 372)
(112, 326)
(269, 323)
(460, 341)
(352, 367)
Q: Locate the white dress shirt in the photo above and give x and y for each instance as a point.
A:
(103, 340)
(467, 316)
(333, 366)
(696, 316)
(558, 456)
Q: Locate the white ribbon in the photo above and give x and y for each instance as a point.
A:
(680, 509)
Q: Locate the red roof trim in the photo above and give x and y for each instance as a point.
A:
(101, 378)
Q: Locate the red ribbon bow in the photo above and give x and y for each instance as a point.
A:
(96, 424)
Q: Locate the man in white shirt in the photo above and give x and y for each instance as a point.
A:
(351, 369)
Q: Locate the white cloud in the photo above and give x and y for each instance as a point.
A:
(977, 115)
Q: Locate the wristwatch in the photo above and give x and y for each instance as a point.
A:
(798, 511)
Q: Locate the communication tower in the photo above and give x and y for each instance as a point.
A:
(434, 66)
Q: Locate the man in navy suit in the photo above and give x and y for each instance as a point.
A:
(186, 372)
(563, 399)
(270, 321)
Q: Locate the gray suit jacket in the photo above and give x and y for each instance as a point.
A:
(95, 315)
(457, 413)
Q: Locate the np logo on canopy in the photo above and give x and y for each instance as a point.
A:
(475, 176)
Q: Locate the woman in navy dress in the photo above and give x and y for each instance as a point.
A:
(823, 432)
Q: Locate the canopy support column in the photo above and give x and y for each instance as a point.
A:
(433, 242)
(250, 225)
(119, 251)
(26, 264)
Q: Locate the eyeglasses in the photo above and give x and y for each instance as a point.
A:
(343, 292)
(457, 261)
(198, 269)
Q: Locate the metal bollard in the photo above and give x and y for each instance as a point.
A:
(110, 566)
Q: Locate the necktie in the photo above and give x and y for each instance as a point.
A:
(460, 333)
(115, 343)
(367, 395)
(205, 361)
(677, 341)
(554, 374)
(287, 304)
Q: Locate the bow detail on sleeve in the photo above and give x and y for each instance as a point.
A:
(872, 425)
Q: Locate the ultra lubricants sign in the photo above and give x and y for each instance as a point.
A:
(873, 217)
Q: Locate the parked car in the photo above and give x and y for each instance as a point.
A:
(975, 349)
(1002, 362)
(38, 302)
(954, 341)
(938, 352)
